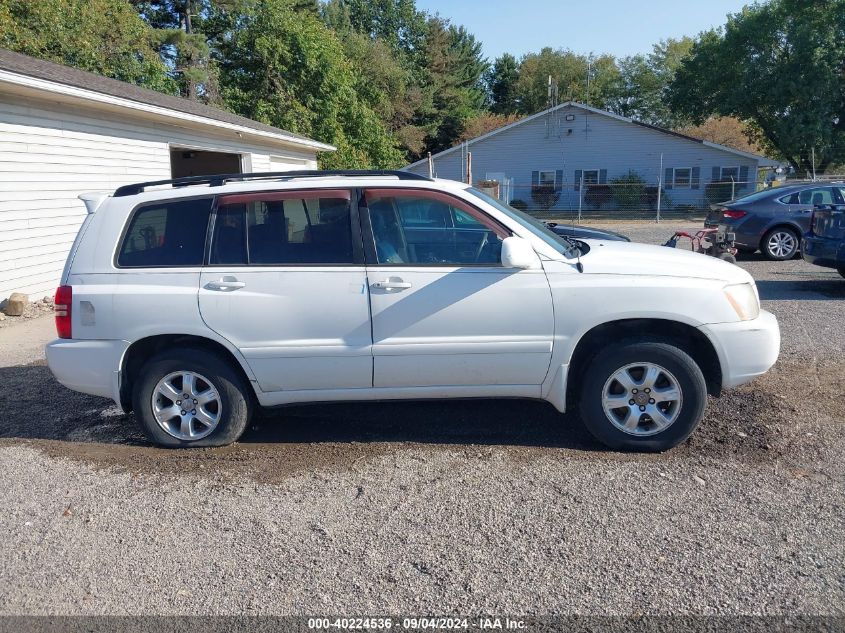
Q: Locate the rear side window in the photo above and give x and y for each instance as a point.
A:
(282, 229)
(169, 233)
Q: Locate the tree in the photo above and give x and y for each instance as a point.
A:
(285, 68)
(778, 66)
(182, 45)
(501, 84)
(724, 130)
(102, 36)
(484, 123)
(643, 81)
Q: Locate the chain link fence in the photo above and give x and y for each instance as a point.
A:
(618, 199)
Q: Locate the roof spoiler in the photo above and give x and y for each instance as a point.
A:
(93, 200)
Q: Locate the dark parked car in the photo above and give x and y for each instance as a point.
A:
(586, 233)
(773, 220)
(824, 243)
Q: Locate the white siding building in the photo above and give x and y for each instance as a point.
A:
(573, 146)
(64, 132)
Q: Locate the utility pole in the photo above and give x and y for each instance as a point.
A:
(430, 166)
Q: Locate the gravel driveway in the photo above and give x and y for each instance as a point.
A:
(436, 507)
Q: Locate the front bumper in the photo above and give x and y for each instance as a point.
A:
(91, 367)
(822, 251)
(746, 349)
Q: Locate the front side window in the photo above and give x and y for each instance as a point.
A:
(591, 176)
(730, 174)
(432, 229)
(683, 177)
(166, 234)
(547, 178)
(282, 228)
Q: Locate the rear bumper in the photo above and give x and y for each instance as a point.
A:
(91, 367)
(746, 349)
(821, 251)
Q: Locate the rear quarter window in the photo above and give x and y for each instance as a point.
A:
(168, 233)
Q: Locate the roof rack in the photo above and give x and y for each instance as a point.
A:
(217, 180)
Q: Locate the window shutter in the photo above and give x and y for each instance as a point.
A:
(577, 180)
(602, 176)
(535, 178)
(743, 176)
(716, 175)
(558, 180)
(695, 181)
(668, 178)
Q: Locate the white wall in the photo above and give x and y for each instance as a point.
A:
(50, 153)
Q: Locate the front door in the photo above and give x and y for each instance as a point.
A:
(445, 312)
(286, 284)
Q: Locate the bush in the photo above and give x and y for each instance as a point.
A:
(651, 198)
(545, 196)
(629, 191)
(598, 195)
(716, 192)
(519, 204)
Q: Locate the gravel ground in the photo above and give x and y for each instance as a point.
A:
(436, 507)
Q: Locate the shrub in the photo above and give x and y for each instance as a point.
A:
(629, 191)
(716, 192)
(545, 196)
(522, 205)
(598, 195)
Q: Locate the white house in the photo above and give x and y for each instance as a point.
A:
(65, 131)
(574, 146)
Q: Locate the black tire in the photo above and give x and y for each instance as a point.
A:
(841, 271)
(664, 354)
(234, 404)
(787, 233)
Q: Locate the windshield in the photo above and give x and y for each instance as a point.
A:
(557, 242)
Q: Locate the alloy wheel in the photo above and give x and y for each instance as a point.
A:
(642, 399)
(782, 244)
(186, 405)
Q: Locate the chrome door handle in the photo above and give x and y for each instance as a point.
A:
(225, 284)
(394, 283)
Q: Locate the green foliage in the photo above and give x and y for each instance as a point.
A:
(716, 192)
(289, 70)
(102, 36)
(778, 66)
(629, 191)
(501, 84)
(182, 44)
(598, 195)
(545, 196)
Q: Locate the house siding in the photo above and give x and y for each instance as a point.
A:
(51, 152)
(590, 141)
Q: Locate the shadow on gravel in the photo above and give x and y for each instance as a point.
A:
(802, 290)
(36, 410)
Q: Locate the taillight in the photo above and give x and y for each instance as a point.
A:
(62, 306)
(732, 213)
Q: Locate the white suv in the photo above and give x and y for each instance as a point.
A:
(193, 301)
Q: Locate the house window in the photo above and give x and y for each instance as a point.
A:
(682, 177)
(590, 176)
(547, 178)
(730, 174)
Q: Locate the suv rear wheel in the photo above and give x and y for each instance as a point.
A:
(779, 244)
(191, 397)
(642, 396)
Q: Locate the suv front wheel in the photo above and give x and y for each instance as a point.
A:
(642, 395)
(191, 397)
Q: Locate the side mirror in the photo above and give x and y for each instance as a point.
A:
(517, 252)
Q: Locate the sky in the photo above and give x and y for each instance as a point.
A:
(618, 27)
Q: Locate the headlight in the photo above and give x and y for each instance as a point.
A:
(743, 298)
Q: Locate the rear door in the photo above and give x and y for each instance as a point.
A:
(285, 283)
(445, 312)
